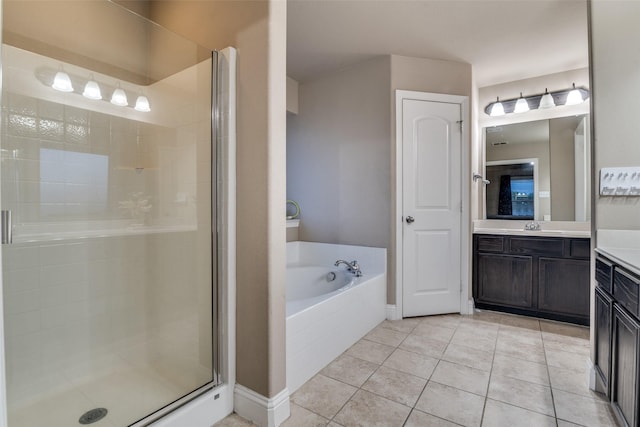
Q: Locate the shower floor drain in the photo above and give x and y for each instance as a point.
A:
(93, 416)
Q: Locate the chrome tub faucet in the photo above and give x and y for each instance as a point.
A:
(352, 266)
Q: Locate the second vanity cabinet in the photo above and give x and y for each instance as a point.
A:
(617, 338)
(542, 276)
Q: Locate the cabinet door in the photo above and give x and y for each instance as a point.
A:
(603, 307)
(505, 280)
(624, 385)
(564, 286)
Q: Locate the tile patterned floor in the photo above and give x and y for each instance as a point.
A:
(489, 369)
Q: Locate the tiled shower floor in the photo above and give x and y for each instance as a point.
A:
(488, 369)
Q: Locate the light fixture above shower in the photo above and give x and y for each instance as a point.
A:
(91, 88)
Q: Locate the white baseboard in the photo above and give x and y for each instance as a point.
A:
(471, 307)
(261, 410)
(591, 375)
(392, 312)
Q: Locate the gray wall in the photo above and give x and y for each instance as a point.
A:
(616, 85)
(338, 156)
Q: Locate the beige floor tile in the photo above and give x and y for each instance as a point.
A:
(370, 351)
(452, 404)
(499, 414)
(549, 337)
(301, 417)
(425, 346)
(350, 370)
(565, 329)
(461, 377)
(435, 332)
(403, 325)
(386, 336)
(467, 356)
(395, 385)
(582, 410)
(520, 369)
(486, 316)
(580, 346)
(518, 336)
(369, 410)
(334, 424)
(469, 339)
(480, 329)
(521, 322)
(520, 393)
(572, 381)
(532, 353)
(323, 395)
(566, 360)
(234, 420)
(445, 320)
(562, 423)
(421, 419)
(411, 363)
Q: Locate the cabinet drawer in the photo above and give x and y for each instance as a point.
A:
(490, 244)
(604, 273)
(579, 248)
(625, 290)
(546, 247)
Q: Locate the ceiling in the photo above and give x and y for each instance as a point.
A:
(504, 40)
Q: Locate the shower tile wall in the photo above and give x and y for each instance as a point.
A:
(79, 308)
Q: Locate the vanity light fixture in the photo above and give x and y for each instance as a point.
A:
(573, 96)
(92, 90)
(142, 104)
(497, 108)
(547, 100)
(119, 97)
(521, 105)
(62, 82)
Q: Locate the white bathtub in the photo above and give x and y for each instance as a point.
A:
(324, 318)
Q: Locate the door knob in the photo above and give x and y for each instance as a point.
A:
(410, 219)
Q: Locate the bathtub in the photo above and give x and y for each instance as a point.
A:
(325, 316)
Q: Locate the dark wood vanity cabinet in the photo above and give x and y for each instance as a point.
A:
(617, 339)
(541, 276)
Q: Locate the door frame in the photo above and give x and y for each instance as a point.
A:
(465, 216)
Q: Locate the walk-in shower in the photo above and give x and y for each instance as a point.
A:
(110, 263)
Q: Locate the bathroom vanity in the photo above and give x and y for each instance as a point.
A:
(617, 327)
(537, 273)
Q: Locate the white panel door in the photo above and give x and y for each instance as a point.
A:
(431, 146)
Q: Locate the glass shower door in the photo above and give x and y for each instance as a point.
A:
(106, 166)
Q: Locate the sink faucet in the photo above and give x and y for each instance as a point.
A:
(532, 226)
(352, 266)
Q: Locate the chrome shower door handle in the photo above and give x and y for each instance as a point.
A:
(6, 228)
(410, 219)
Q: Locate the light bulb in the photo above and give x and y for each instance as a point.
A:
(497, 109)
(547, 100)
(521, 105)
(142, 104)
(119, 98)
(574, 97)
(92, 90)
(62, 82)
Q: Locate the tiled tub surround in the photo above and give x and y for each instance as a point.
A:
(320, 327)
(488, 369)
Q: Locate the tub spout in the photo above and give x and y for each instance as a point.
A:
(352, 266)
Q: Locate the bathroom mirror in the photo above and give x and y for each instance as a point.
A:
(538, 170)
